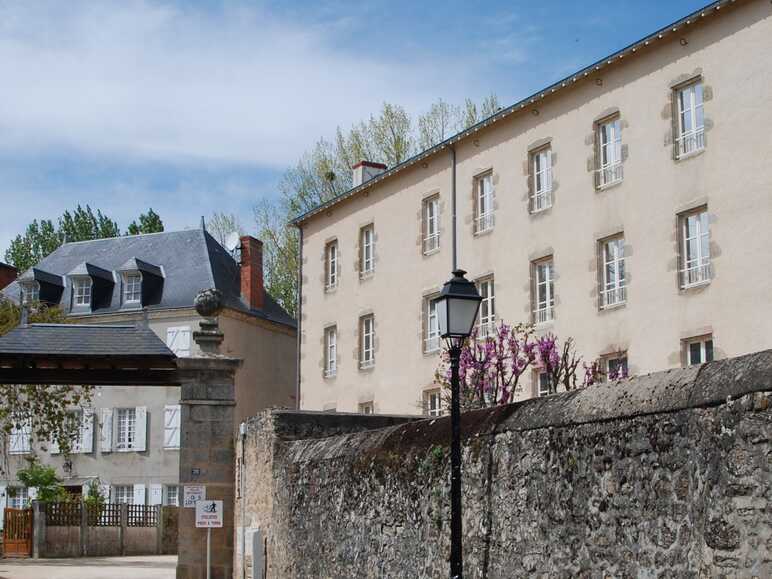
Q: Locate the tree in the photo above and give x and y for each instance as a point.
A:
(45, 412)
(42, 238)
(149, 222)
(44, 479)
(94, 497)
(437, 124)
(220, 225)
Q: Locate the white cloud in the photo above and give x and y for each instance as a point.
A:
(169, 82)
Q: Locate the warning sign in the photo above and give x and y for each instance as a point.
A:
(209, 514)
(192, 494)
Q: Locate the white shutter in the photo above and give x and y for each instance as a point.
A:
(156, 495)
(86, 443)
(32, 493)
(84, 489)
(53, 447)
(140, 436)
(19, 440)
(3, 502)
(139, 494)
(106, 431)
(172, 426)
(104, 490)
(178, 340)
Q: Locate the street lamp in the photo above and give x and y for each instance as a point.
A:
(456, 313)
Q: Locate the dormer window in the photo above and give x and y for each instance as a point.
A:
(30, 292)
(81, 292)
(132, 288)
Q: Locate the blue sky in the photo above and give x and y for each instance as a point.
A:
(192, 107)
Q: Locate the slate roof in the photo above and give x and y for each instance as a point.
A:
(65, 340)
(190, 260)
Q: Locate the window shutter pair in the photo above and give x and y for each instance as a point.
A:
(85, 442)
(19, 440)
(172, 426)
(109, 424)
(178, 340)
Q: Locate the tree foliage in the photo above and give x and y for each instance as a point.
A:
(324, 171)
(149, 222)
(42, 237)
(44, 479)
(220, 225)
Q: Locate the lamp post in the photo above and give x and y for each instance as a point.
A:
(456, 313)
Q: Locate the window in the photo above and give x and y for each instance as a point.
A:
(331, 265)
(613, 291)
(699, 350)
(132, 288)
(615, 366)
(544, 294)
(172, 426)
(178, 340)
(486, 319)
(431, 224)
(366, 408)
(695, 249)
(30, 292)
(609, 164)
(123, 494)
(172, 498)
(483, 203)
(431, 326)
(330, 351)
(541, 178)
(543, 384)
(82, 292)
(126, 428)
(19, 439)
(433, 402)
(691, 121)
(18, 497)
(366, 341)
(367, 250)
(85, 441)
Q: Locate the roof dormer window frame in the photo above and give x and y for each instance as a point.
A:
(30, 292)
(82, 292)
(131, 292)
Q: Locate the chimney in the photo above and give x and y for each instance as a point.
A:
(365, 170)
(252, 291)
(7, 274)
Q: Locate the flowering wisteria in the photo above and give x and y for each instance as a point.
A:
(491, 367)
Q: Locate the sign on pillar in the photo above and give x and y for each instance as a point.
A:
(209, 514)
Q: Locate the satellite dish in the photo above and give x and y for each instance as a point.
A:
(232, 241)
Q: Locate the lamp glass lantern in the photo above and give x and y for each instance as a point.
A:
(457, 308)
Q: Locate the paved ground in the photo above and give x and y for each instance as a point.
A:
(162, 567)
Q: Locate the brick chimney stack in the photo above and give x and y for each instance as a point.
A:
(364, 171)
(7, 274)
(252, 290)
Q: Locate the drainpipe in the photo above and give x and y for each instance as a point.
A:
(453, 204)
(243, 435)
(299, 311)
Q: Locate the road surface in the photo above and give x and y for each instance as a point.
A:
(151, 567)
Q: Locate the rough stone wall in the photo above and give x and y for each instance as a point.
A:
(666, 475)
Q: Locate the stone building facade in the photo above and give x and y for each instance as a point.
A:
(627, 206)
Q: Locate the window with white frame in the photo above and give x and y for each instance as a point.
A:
(123, 494)
(544, 291)
(613, 291)
(609, 165)
(431, 223)
(19, 439)
(132, 288)
(172, 496)
(126, 428)
(18, 497)
(431, 326)
(543, 384)
(367, 341)
(172, 426)
(699, 350)
(367, 250)
(695, 248)
(691, 120)
(433, 402)
(331, 265)
(483, 203)
(486, 319)
(330, 351)
(30, 292)
(367, 407)
(541, 177)
(81, 291)
(615, 366)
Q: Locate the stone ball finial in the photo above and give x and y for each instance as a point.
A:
(208, 302)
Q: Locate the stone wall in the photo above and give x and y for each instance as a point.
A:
(661, 475)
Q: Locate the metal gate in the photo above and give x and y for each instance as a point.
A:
(17, 533)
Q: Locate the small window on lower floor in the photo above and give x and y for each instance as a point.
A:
(367, 407)
(172, 496)
(123, 494)
(18, 497)
(433, 402)
(614, 366)
(543, 384)
(699, 350)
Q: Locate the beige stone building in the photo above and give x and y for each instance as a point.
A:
(628, 205)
